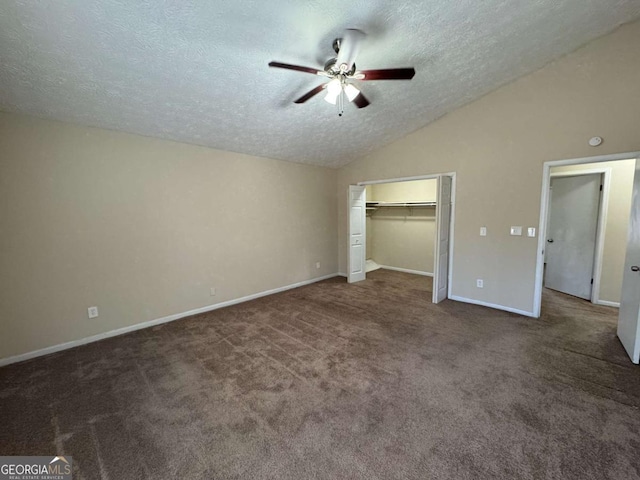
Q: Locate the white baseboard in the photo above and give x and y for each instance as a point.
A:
(340, 274)
(151, 323)
(607, 303)
(407, 270)
(491, 305)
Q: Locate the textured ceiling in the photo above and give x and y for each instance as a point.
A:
(196, 71)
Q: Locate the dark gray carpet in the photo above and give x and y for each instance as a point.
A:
(364, 381)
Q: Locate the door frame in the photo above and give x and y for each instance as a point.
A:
(603, 207)
(433, 176)
(544, 212)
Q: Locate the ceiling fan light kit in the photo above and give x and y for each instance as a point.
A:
(337, 90)
(341, 71)
(334, 89)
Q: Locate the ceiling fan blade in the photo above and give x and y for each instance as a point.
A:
(361, 101)
(298, 68)
(387, 74)
(310, 94)
(349, 48)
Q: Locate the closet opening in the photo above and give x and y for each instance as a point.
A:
(404, 226)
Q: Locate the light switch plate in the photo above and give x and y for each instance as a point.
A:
(531, 232)
(483, 231)
(516, 231)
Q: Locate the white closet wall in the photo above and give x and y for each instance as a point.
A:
(402, 237)
(369, 227)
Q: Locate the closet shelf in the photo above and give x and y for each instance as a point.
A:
(372, 206)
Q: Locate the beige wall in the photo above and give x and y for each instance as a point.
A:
(411, 191)
(403, 237)
(143, 228)
(615, 232)
(498, 144)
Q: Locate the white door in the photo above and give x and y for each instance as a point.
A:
(443, 225)
(628, 324)
(357, 229)
(571, 234)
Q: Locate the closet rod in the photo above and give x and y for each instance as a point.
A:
(400, 204)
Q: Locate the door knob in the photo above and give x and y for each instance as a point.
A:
(550, 240)
(635, 268)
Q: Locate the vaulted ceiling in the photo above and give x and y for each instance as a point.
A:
(196, 71)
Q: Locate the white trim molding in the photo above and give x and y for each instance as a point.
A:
(407, 270)
(607, 303)
(151, 323)
(431, 176)
(491, 305)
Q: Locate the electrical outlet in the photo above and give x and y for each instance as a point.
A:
(479, 283)
(213, 291)
(92, 312)
(317, 264)
(483, 231)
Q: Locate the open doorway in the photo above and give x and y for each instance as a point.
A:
(403, 225)
(586, 232)
(589, 244)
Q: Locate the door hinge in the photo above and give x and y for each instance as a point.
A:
(600, 187)
(592, 281)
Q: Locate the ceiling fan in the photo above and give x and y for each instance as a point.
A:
(341, 71)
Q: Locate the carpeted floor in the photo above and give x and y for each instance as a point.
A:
(363, 381)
